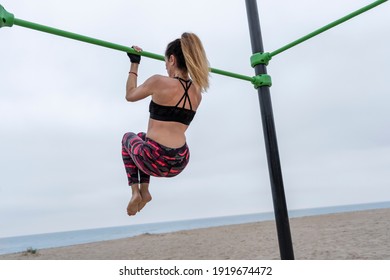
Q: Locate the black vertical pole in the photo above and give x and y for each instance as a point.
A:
(275, 170)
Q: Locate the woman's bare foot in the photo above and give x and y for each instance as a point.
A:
(146, 196)
(136, 199)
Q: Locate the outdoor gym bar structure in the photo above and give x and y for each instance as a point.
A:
(262, 82)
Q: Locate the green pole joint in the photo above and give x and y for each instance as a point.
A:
(262, 80)
(6, 18)
(260, 58)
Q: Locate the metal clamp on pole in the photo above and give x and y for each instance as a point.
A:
(6, 18)
(260, 58)
(262, 80)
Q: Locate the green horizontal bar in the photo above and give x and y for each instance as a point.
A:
(82, 38)
(90, 40)
(231, 74)
(327, 27)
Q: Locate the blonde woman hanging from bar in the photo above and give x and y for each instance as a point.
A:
(163, 151)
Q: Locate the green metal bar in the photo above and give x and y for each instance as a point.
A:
(232, 75)
(82, 38)
(327, 27)
(90, 40)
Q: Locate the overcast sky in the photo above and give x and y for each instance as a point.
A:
(63, 111)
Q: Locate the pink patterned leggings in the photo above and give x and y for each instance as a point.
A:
(144, 157)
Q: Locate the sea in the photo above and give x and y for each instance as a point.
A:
(17, 244)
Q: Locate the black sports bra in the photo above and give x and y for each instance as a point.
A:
(174, 113)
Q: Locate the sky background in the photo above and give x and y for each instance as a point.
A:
(63, 111)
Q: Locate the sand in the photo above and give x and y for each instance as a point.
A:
(344, 236)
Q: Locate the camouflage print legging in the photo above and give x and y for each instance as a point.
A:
(144, 157)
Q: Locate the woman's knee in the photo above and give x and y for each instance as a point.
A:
(127, 136)
(142, 135)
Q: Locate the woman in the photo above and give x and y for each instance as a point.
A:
(163, 150)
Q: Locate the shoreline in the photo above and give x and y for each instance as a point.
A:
(341, 236)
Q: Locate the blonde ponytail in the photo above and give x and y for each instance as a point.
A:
(196, 60)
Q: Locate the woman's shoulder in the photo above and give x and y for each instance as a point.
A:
(154, 82)
(158, 79)
(160, 82)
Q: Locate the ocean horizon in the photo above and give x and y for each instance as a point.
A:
(9, 245)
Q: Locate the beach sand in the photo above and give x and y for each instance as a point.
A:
(343, 236)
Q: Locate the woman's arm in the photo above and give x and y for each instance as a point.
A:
(134, 93)
(131, 84)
